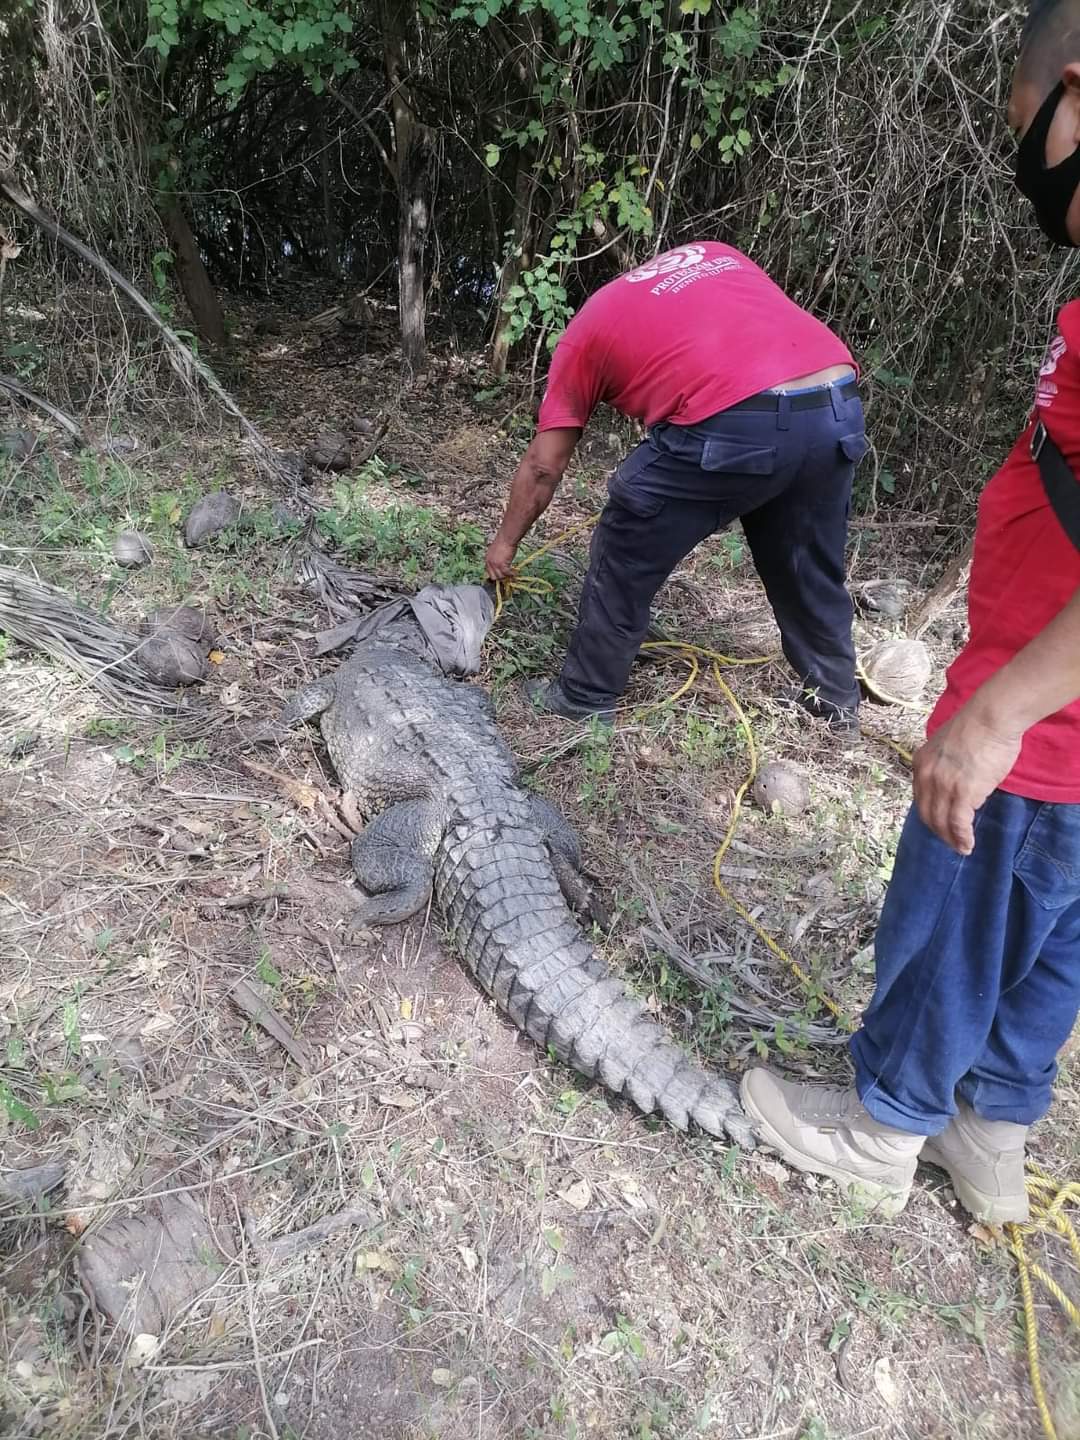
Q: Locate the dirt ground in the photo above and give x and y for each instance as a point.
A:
(522, 1258)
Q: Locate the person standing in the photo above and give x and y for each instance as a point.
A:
(753, 412)
(978, 949)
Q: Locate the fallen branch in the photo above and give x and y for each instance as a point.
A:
(342, 592)
(13, 387)
(286, 1246)
(182, 358)
(302, 795)
(249, 1002)
(943, 594)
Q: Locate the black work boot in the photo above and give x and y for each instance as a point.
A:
(549, 698)
(842, 719)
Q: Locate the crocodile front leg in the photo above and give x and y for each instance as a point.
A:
(309, 701)
(392, 859)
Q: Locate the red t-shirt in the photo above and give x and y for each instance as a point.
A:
(1024, 571)
(681, 338)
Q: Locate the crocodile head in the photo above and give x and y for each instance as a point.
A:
(444, 624)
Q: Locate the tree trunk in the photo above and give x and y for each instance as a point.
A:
(200, 295)
(413, 162)
(515, 263)
(331, 234)
(414, 167)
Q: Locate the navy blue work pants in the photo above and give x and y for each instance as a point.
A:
(787, 475)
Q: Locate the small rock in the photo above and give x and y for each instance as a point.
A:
(781, 788)
(331, 451)
(118, 445)
(18, 444)
(268, 325)
(143, 1348)
(363, 426)
(897, 671)
(131, 549)
(209, 516)
(886, 597)
(187, 621)
(172, 659)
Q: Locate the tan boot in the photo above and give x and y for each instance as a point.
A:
(984, 1159)
(825, 1129)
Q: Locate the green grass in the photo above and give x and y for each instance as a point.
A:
(414, 540)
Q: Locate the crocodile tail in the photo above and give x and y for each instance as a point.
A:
(508, 918)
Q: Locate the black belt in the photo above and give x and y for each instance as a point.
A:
(815, 399)
(1059, 482)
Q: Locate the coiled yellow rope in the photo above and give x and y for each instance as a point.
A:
(1048, 1198)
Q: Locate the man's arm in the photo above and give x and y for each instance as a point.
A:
(959, 766)
(535, 481)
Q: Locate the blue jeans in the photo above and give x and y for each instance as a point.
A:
(787, 474)
(978, 970)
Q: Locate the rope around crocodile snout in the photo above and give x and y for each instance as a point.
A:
(1048, 1198)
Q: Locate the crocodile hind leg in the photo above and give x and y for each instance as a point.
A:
(392, 858)
(564, 849)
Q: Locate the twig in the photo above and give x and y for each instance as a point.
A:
(248, 1000)
(251, 898)
(286, 1246)
(28, 397)
(242, 1255)
(222, 1366)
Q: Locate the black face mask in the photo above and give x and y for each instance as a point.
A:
(1050, 188)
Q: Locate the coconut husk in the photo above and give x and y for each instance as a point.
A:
(897, 672)
(186, 620)
(781, 788)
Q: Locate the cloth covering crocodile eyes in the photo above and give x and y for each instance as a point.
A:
(453, 619)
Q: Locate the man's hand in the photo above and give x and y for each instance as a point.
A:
(955, 772)
(499, 560)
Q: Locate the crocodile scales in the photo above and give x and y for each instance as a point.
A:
(431, 773)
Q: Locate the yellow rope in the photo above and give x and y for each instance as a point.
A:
(1047, 1197)
(520, 584)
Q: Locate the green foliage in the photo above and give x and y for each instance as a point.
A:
(417, 542)
(16, 1112)
(617, 192)
(307, 34)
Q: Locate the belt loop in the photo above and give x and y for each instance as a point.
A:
(783, 412)
(839, 401)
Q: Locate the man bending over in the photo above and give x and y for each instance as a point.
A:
(752, 412)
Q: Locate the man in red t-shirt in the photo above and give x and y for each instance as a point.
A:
(752, 411)
(978, 949)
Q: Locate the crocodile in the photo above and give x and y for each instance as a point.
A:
(446, 816)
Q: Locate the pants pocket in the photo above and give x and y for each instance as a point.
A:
(1048, 864)
(626, 487)
(854, 447)
(721, 454)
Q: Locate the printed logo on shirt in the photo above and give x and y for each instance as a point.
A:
(680, 268)
(683, 259)
(1047, 388)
